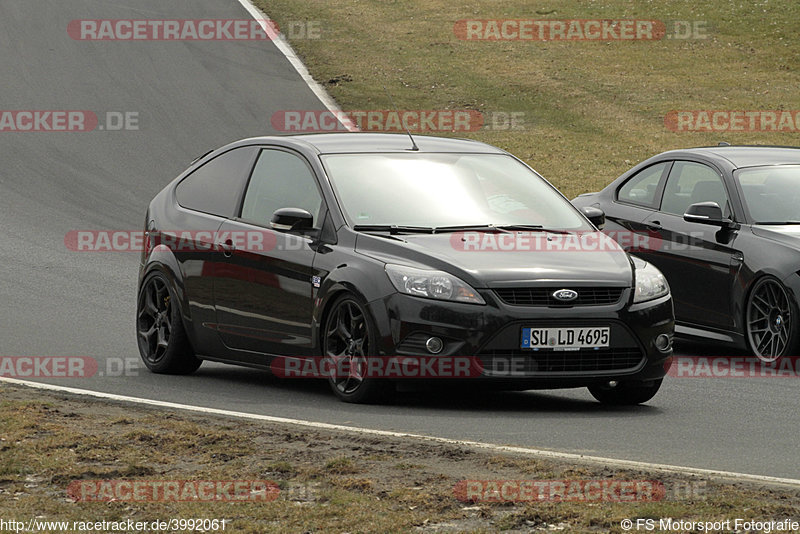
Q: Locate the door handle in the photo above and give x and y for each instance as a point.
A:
(654, 225)
(227, 247)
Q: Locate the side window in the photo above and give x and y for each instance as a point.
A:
(641, 189)
(690, 183)
(216, 187)
(280, 180)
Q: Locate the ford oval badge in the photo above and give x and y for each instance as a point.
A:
(565, 295)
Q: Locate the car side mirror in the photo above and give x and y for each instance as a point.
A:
(595, 215)
(706, 213)
(292, 220)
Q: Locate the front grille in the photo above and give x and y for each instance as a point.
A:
(543, 296)
(544, 362)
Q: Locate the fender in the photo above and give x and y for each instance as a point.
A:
(341, 279)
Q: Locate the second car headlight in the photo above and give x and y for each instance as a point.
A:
(650, 283)
(431, 284)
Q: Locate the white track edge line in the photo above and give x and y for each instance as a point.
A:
(554, 455)
(288, 52)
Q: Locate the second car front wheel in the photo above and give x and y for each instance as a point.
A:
(771, 323)
(349, 340)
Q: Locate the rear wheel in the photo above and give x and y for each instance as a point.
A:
(770, 320)
(163, 343)
(626, 393)
(349, 340)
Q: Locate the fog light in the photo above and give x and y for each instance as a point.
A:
(613, 383)
(663, 342)
(434, 345)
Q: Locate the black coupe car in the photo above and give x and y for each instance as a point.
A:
(723, 225)
(358, 247)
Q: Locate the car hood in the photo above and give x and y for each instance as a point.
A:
(788, 234)
(498, 259)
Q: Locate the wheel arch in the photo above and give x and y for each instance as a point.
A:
(163, 261)
(332, 293)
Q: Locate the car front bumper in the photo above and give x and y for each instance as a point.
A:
(491, 336)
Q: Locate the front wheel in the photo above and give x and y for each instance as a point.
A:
(163, 343)
(626, 393)
(770, 322)
(349, 340)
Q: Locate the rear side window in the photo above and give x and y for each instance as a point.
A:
(216, 187)
(641, 189)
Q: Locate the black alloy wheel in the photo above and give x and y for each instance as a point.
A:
(348, 343)
(162, 339)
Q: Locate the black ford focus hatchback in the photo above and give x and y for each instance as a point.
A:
(337, 253)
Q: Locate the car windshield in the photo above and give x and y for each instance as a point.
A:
(771, 193)
(446, 190)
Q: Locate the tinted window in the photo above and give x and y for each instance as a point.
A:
(280, 180)
(216, 187)
(642, 187)
(690, 183)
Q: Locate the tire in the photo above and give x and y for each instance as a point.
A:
(348, 339)
(771, 321)
(626, 393)
(163, 343)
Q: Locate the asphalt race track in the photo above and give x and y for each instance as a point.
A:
(194, 96)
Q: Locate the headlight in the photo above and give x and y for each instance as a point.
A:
(650, 283)
(431, 284)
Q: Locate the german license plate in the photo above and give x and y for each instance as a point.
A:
(594, 337)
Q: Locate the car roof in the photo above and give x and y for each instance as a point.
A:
(745, 156)
(350, 142)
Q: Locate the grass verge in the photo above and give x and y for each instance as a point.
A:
(329, 481)
(591, 109)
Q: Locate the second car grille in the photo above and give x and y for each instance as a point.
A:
(543, 296)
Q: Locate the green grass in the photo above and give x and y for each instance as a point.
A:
(591, 109)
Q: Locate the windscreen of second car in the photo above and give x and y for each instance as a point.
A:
(771, 193)
(440, 190)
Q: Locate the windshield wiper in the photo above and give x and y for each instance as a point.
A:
(462, 227)
(392, 228)
(777, 222)
(530, 228)
(397, 228)
(497, 228)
